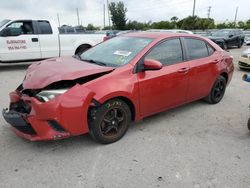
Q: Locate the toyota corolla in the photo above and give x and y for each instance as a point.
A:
(116, 82)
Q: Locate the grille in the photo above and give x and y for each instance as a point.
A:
(27, 129)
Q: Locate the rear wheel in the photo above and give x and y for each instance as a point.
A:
(218, 91)
(239, 44)
(109, 122)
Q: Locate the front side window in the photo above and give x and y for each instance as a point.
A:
(168, 52)
(196, 48)
(23, 27)
(117, 51)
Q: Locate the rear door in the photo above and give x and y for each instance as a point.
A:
(21, 43)
(203, 69)
(49, 41)
(165, 88)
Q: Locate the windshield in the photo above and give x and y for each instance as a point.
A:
(116, 52)
(221, 33)
(3, 22)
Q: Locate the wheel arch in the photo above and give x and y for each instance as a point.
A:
(130, 102)
(225, 75)
(81, 46)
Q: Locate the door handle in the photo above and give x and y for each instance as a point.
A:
(184, 70)
(34, 39)
(215, 61)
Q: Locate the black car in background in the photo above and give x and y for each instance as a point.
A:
(226, 38)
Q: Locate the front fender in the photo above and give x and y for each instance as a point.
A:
(70, 110)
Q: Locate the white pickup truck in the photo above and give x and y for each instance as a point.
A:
(25, 40)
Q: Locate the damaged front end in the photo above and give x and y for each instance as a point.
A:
(37, 115)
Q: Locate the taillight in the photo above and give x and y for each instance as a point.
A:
(105, 38)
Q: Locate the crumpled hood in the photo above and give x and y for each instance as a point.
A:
(42, 74)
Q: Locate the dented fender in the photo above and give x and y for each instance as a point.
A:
(69, 109)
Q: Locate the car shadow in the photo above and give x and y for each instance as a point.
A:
(167, 114)
(86, 142)
(14, 66)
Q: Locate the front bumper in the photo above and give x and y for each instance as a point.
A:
(62, 117)
(244, 62)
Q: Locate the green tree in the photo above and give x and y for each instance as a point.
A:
(174, 20)
(162, 25)
(188, 23)
(134, 25)
(241, 24)
(118, 15)
(91, 27)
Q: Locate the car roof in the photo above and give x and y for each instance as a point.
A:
(157, 35)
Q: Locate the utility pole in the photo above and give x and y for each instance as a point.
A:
(235, 18)
(77, 13)
(194, 7)
(103, 15)
(208, 12)
(108, 14)
(58, 19)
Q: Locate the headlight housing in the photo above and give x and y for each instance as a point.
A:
(47, 95)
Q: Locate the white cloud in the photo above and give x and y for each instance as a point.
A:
(91, 11)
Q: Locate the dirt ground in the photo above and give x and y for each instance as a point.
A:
(196, 145)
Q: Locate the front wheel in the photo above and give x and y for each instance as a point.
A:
(109, 122)
(217, 92)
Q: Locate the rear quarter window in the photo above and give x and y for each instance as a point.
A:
(197, 48)
(44, 27)
(210, 50)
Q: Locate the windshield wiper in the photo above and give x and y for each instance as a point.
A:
(94, 62)
(77, 57)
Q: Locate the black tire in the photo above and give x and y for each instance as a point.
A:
(217, 92)
(224, 46)
(239, 44)
(82, 49)
(248, 124)
(109, 122)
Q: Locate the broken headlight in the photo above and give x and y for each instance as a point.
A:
(47, 95)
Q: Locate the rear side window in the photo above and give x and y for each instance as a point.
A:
(210, 49)
(168, 52)
(44, 27)
(198, 48)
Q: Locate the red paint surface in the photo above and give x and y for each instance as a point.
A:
(149, 92)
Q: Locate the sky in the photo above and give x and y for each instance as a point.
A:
(91, 11)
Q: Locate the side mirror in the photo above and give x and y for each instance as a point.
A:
(230, 36)
(150, 64)
(6, 32)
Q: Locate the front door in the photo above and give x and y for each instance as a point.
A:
(21, 44)
(163, 89)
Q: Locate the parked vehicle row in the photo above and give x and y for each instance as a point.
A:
(226, 38)
(22, 40)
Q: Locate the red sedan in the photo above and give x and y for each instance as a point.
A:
(118, 81)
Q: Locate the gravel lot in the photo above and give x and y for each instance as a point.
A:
(196, 145)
